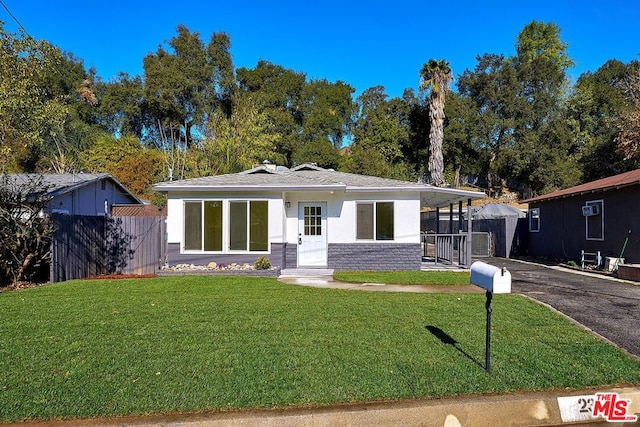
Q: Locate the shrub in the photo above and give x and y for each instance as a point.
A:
(262, 263)
(25, 232)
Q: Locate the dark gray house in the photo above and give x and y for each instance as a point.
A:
(596, 216)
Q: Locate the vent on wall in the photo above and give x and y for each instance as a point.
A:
(590, 210)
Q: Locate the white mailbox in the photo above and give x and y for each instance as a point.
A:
(490, 278)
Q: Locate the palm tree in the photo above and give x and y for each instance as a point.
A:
(437, 75)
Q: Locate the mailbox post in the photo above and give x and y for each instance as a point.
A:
(493, 280)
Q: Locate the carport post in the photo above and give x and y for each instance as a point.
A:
(487, 351)
(468, 241)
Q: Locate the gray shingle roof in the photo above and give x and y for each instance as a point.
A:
(58, 184)
(312, 178)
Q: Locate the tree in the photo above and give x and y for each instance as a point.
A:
(237, 142)
(277, 93)
(24, 232)
(380, 131)
(135, 166)
(30, 114)
(327, 110)
(122, 106)
(436, 76)
(493, 89)
(628, 123)
(47, 105)
(461, 152)
(182, 85)
(541, 63)
(591, 111)
(521, 129)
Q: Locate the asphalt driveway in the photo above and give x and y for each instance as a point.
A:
(610, 308)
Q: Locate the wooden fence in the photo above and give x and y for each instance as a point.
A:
(85, 246)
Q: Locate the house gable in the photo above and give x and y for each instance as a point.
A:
(79, 194)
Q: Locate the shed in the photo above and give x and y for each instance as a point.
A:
(501, 221)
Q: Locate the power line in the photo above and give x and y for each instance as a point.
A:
(14, 18)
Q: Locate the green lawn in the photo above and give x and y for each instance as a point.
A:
(102, 348)
(404, 277)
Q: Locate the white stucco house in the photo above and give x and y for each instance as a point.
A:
(304, 217)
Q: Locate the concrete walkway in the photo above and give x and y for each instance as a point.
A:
(323, 278)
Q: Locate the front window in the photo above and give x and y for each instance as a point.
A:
(246, 222)
(534, 219)
(193, 226)
(374, 221)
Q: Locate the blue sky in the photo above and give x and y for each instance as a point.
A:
(363, 43)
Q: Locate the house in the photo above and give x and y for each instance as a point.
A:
(306, 216)
(79, 194)
(598, 216)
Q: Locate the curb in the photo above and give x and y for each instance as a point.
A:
(556, 408)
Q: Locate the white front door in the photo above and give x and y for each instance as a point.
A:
(312, 234)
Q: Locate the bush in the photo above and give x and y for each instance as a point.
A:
(262, 263)
(25, 232)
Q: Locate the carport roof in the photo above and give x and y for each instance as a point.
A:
(309, 177)
(613, 182)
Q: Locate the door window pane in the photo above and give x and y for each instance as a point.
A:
(193, 226)
(238, 226)
(259, 226)
(313, 221)
(213, 225)
(384, 221)
(364, 221)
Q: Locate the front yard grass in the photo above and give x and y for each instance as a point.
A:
(116, 347)
(404, 277)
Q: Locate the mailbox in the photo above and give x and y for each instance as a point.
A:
(490, 278)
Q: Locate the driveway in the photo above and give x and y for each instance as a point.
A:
(609, 307)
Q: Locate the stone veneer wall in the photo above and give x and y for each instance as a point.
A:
(290, 255)
(175, 257)
(374, 256)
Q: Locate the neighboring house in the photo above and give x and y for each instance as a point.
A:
(596, 216)
(301, 217)
(79, 194)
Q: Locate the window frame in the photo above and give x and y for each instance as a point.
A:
(600, 203)
(535, 211)
(374, 232)
(225, 226)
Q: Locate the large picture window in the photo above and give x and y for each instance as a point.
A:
(246, 224)
(374, 221)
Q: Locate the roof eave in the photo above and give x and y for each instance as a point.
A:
(579, 193)
(354, 189)
(244, 188)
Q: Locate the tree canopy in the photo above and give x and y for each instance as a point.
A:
(511, 122)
